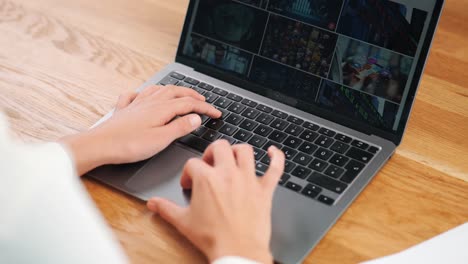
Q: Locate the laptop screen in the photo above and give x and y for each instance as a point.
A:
(354, 58)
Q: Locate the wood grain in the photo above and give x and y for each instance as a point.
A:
(63, 64)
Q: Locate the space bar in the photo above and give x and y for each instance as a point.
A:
(195, 142)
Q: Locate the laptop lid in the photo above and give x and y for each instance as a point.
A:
(355, 62)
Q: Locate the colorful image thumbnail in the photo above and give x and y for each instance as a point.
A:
(359, 106)
(230, 22)
(322, 13)
(370, 69)
(284, 80)
(299, 45)
(219, 55)
(387, 24)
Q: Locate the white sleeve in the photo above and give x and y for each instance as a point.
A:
(234, 260)
(46, 213)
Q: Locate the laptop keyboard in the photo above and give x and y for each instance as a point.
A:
(320, 163)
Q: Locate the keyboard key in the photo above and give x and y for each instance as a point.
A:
(234, 119)
(279, 114)
(293, 186)
(272, 143)
(258, 153)
(186, 85)
(265, 119)
(289, 153)
(249, 103)
(278, 136)
(265, 160)
(264, 108)
(327, 132)
(248, 125)
(199, 90)
(323, 154)
(210, 97)
(309, 135)
(360, 144)
(211, 135)
(302, 159)
(214, 124)
(308, 148)
(229, 139)
(301, 172)
(311, 193)
(327, 183)
(373, 150)
(220, 91)
(279, 124)
(294, 130)
(228, 129)
(311, 126)
(169, 81)
(191, 81)
(334, 171)
(237, 108)
(261, 167)
(288, 166)
(199, 131)
(339, 160)
(257, 141)
(339, 147)
(222, 102)
(353, 168)
(326, 200)
(295, 120)
(234, 97)
(292, 142)
(206, 86)
(284, 179)
(324, 141)
(263, 130)
(243, 135)
(343, 138)
(195, 142)
(359, 155)
(177, 76)
(251, 113)
(318, 165)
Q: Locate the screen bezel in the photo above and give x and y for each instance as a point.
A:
(321, 112)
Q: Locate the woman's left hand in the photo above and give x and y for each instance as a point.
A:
(143, 125)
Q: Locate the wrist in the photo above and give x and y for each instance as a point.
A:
(87, 151)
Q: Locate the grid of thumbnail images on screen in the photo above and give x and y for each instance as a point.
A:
(349, 56)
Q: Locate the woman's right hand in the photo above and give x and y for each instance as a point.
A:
(230, 210)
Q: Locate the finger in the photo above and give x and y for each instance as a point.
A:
(125, 100)
(245, 157)
(276, 169)
(193, 169)
(220, 153)
(173, 92)
(180, 127)
(184, 106)
(168, 211)
(147, 91)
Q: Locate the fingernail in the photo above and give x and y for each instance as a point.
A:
(195, 121)
(152, 205)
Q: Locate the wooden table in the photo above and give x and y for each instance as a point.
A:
(63, 64)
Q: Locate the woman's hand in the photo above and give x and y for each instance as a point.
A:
(143, 125)
(230, 210)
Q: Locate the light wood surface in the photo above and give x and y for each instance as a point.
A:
(64, 62)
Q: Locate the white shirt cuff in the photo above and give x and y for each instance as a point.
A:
(234, 260)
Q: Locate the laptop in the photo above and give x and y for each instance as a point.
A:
(330, 82)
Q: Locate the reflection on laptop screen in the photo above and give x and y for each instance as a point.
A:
(352, 57)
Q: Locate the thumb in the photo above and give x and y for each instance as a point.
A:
(182, 126)
(168, 211)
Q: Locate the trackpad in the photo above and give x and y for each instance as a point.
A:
(161, 176)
